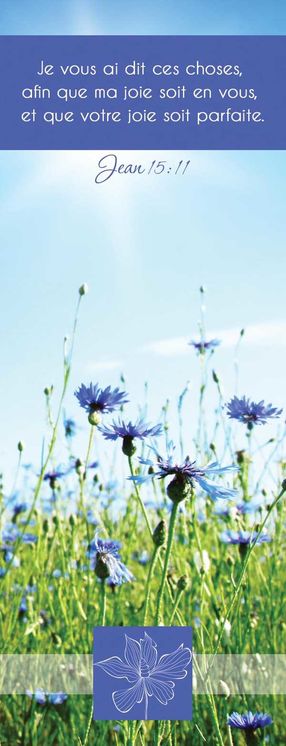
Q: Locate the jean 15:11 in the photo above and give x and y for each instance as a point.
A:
(157, 167)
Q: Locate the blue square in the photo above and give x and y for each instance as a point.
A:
(142, 673)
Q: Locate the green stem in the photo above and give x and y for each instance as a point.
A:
(103, 604)
(67, 371)
(142, 506)
(149, 581)
(140, 501)
(131, 738)
(88, 727)
(244, 568)
(176, 604)
(166, 563)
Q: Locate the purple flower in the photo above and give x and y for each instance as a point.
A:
(10, 535)
(249, 721)
(203, 345)
(128, 431)
(139, 430)
(22, 606)
(97, 401)
(106, 561)
(243, 537)
(250, 413)
(43, 698)
(148, 675)
(70, 427)
(186, 475)
(53, 476)
(19, 508)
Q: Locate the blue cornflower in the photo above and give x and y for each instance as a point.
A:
(97, 401)
(106, 561)
(243, 537)
(185, 475)
(22, 606)
(250, 413)
(249, 721)
(57, 698)
(10, 535)
(19, 508)
(204, 345)
(251, 506)
(142, 557)
(43, 698)
(54, 475)
(70, 427)
(128, 431)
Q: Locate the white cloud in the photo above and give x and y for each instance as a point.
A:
(266, 334)
(104, 365)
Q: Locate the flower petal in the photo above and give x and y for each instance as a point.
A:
(115, 667)
(149, 651)
(161, 690)
(173, 665)
(125, 699)
(132, 653)
(216, 490)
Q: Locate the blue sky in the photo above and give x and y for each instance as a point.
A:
(144, 246)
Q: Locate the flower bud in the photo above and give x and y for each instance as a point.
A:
(160, 534)
(128, 446)
(83, 290)
(79, 467)
(48, 390)
(20, 446)
(101, 567)
(243, 549)
(178, 489)
(94, 418)
(215, 377)
(283, 486)
(182, 583)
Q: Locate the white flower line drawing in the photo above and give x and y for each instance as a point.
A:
(149, 677)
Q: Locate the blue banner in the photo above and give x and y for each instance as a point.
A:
(142, 92)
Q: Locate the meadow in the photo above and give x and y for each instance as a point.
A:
(201, 537)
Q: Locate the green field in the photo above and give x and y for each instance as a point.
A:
(232, 595)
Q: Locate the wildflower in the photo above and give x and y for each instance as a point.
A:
(250, 413)
(141, 557)
(148, 675)
(10, 535)
(106, 561)
(53, 476)
(70, 427)
(57, 698)
(97, 401)
(203, 345)
(249, 721)
(243, 537)
(185, 476)
(22, 607)
(128, 431)
(43, 698)
(19, 508)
